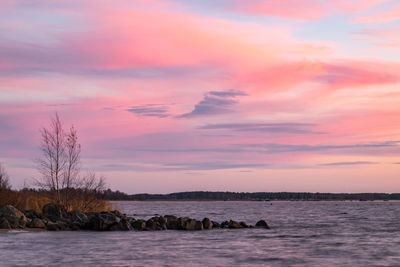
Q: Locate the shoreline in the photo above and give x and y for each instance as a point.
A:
(249, 200)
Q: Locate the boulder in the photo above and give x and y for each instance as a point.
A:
(243, 225)
(78, 217)
(182, 223)
(31, 214)
(4, 224)
(74, 226)
(233, 225)
(207, 224)
(36, 223)
(171, 222)
(54, 211)
(103, 221)
(262, 224)
(51, 226)
(192, 225)
(139, 225)
(119, 214)
(153, 224)
(123, 225)
(16, 219)
(215, 224)
(224, 224)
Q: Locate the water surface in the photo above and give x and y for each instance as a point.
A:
(301, 234)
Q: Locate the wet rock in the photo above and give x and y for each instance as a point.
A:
(15, 218)
(51, 226)
(182, 223)
(103, 221)
(192, 225)
(4, 224)
(153, 224)
(139, 225)
(76, 226)
(262, 224)
(243, 225)
(224, 224)
(31, 214)
(171, 222)
(207, 224)
(233, 225)
(123, 225)
(78, 217)
(54, 211)
(216, 224)
(36, 223)
(119, 214)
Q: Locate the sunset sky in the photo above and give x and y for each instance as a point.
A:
(231, 95)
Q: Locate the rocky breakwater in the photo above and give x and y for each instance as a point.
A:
(56, 218)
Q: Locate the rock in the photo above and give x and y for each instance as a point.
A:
(4, 224)
(198, 225)
(139, 225)
(153, 224)
(31, 214)
(37, 223)
(78, 217)
(51, 226)
(207, 224)
(54, 211)
(215, 224)
(233, 225)
(123, 225)
(161, 220)
(103, 221)
(76, 226)
(192, 224)
(119, 214)
(15, 218)
(172, 222)
(243, 225)
(224, 224)
(182, 223)
(262, 224)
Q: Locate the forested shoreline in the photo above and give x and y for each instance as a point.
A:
(258, 196)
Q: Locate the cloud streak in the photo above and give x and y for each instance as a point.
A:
(291, 128)
(150, 110)
(215, 103)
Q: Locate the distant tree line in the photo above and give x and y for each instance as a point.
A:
(259, 196)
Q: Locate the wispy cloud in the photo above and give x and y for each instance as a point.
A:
(281, 148)
(151, 110)
(214, 166)
(214, 103)
(293, 128)
(348, 163)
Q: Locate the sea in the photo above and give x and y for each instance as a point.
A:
(303, 233)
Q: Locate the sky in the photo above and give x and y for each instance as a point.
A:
(221, 95)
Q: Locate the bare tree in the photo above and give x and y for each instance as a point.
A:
(71, 174)
(53, 161)
(4, 179)
(60, 168)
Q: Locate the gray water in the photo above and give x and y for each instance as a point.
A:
(301, 234)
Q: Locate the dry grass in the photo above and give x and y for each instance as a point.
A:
(32, 200)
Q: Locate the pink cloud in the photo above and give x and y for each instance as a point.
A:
(389, 14)
(304, 10)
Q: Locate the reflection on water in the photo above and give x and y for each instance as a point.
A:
(303, 233)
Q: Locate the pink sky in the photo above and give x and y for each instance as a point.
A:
(225, 95)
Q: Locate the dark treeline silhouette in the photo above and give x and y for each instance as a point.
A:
(207, 195)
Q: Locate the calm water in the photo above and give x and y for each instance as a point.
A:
(302, 234)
